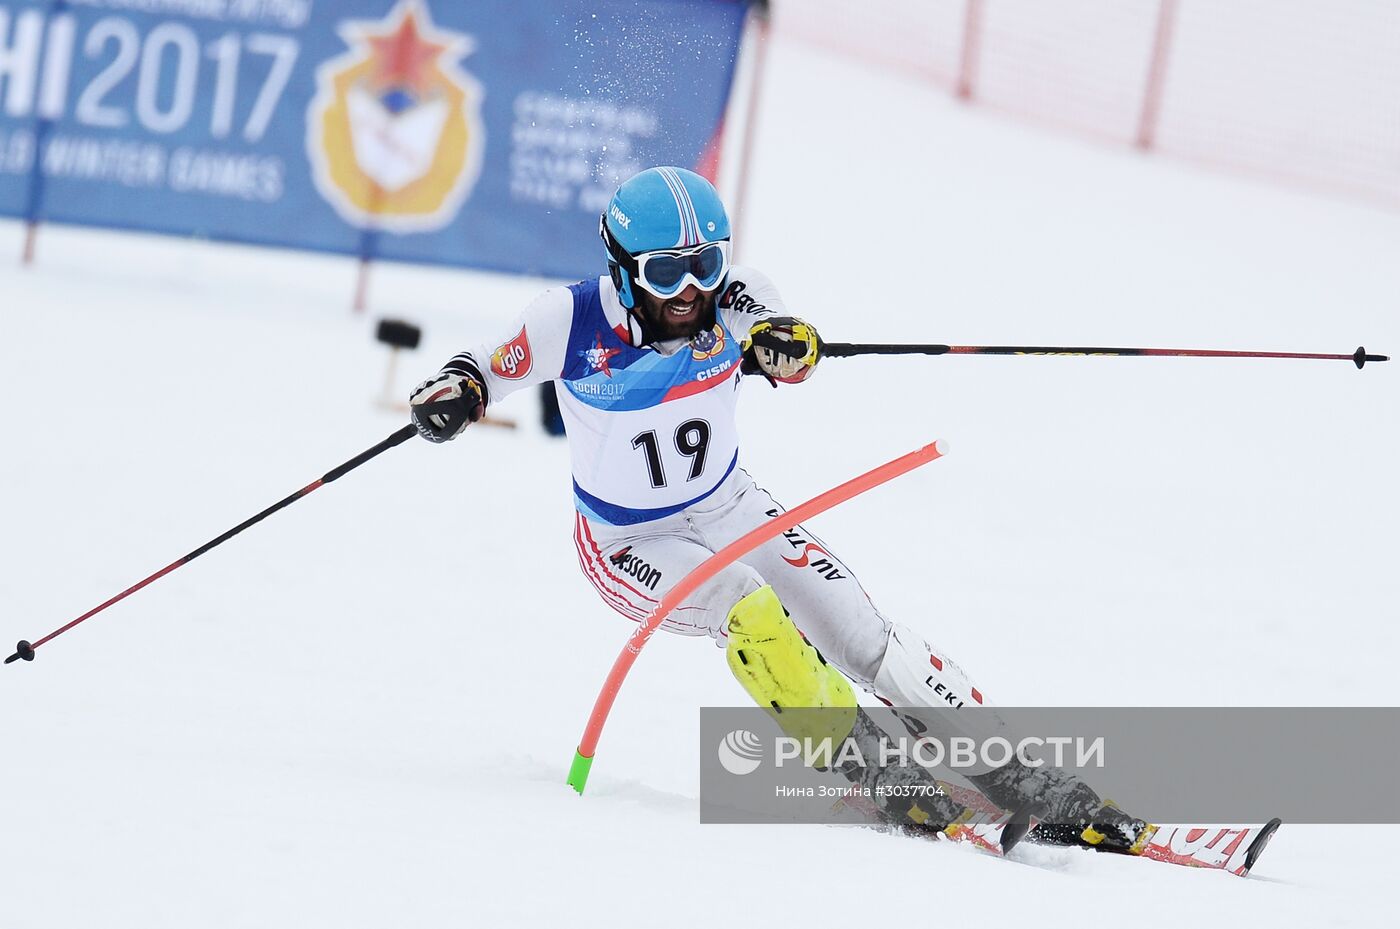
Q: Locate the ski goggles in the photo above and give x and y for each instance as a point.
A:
(668, 272)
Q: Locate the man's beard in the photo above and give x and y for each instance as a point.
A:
(669, 325)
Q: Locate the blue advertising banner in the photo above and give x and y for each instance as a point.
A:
(486, 134)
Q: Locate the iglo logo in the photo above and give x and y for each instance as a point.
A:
(740, 752)
(513, 360)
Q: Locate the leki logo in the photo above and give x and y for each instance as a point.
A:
(597, 356)
(394, 132)
(513, 360)
(740, 752)
(935, 683)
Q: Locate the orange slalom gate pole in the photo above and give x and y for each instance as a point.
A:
(588, 745)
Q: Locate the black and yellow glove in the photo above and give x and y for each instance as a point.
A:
(782, 348)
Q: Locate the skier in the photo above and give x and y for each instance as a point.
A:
(647, 362)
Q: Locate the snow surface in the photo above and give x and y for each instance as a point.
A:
(360, 713)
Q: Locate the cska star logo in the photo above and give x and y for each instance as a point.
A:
(394, 132)
(597, 357)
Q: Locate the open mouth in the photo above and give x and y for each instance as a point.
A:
(682, 311)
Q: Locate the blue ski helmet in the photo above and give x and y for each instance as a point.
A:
(662, 208)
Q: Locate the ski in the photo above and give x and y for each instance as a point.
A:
(997, 831)
(1222, 848)
(1234, 849)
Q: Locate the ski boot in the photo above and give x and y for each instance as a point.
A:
(911, 800)
(1069, 810)
(1108, 829)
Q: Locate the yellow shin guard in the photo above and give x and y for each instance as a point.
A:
(784, 674)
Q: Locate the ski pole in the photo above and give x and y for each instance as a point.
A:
(850, 349)
(25, 650)
(847, 349)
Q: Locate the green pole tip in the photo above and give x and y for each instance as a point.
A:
(578, 772)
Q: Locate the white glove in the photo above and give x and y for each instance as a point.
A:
(445, 404)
